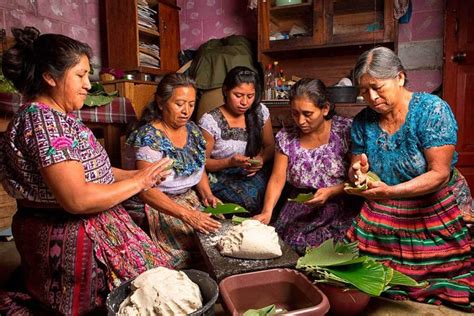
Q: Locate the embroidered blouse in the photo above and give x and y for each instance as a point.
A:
(400, 157)
(39, 137)
(150, 144)
(229, 140)
(319, 167)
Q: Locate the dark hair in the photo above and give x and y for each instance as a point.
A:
(163, 93)
(33, 55)
(235, 77)
(379, 62)
(315, 91)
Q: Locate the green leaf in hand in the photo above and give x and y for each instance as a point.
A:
(226, 208)
(302, 197)
(270, 309)
(254, 162)
(354, 188)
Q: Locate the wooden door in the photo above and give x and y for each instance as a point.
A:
(458, 81)
(169, 37)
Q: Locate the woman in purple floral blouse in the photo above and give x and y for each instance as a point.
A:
(313, 158)
(75, 240)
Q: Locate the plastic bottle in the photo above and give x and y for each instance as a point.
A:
(282, 76)
(269, 82)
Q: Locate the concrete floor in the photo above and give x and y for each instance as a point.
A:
(9, 260)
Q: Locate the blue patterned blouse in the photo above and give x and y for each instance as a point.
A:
(187, 160)
(399, 157)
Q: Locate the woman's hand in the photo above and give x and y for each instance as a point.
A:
(263, 217)
(358, 169)
(256, 163)
(153, 174)
(320, 198)
(240, 161)
(210, 200)
(376, 191)
(201, 222)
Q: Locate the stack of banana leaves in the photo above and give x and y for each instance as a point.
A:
(340, 264)
(97, 95)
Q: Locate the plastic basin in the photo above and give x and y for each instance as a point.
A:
(287, 289)
(207, 285)
(344, 301)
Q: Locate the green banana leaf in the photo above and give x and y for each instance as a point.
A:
(6, 86)
(267, 310)
(97, 100)
(328, 254)
(354, 188)
(98, 89)
(238, 219)
(388, 275)
(226, 208)
(302, 197)
(372, 176)
(254, 162)
(368, 276)
(340, 263)
(399, 278)
(97, 95)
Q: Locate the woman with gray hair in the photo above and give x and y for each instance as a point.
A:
(414, 218)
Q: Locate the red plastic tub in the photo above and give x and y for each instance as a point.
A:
(287, 289)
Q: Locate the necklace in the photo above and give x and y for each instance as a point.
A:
(165, 129)
(177, 141)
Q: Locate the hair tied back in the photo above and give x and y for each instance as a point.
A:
(25, 37)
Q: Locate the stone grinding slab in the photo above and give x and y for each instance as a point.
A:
(220, 266)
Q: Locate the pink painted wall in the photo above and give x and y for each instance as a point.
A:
(421, 41)
(78, 19)
(202, 20)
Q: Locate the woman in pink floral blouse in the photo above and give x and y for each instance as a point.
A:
(75, 240)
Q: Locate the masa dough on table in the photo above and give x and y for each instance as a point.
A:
(161, 291)
(250, 240)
